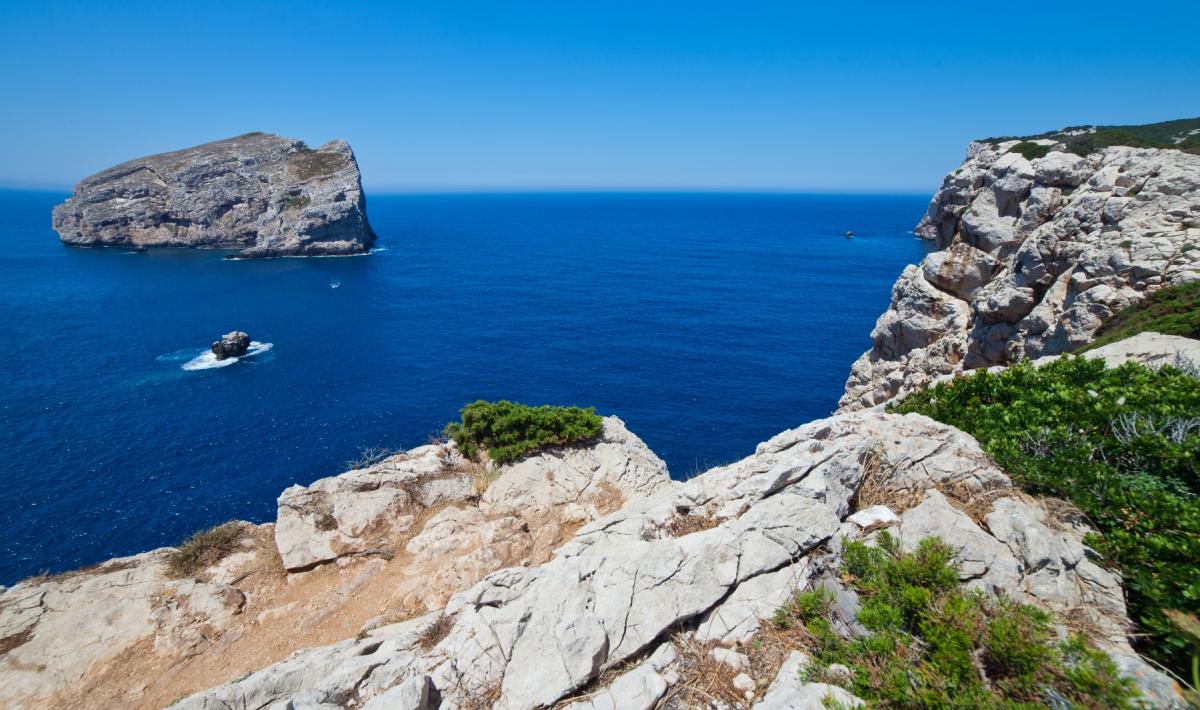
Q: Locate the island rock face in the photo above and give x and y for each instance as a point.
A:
(233, 344)
(263, 194)
(1035, 256)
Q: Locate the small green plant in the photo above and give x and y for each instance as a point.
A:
(934, 644)
(506, 431)
(1127, 244)
(326, 522)
(205, 548)
(1031, 150)
(1174, 310)
(1122, 444)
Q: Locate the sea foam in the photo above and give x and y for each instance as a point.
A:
(208, 361)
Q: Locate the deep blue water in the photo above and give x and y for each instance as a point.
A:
(708, 322)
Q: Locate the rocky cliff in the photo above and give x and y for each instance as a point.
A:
(578, 578)
(1035, 255)
(262, 194)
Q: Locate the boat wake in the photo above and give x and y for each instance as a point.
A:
(208, 361)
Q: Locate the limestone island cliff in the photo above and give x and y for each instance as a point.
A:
(262, 194)
(1023, 536)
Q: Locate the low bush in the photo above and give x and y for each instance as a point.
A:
(1122, 444)
(205, 548)
(506, 431)
(1031, 150)
(934, 644)
(1174, 310)
(1182, 134)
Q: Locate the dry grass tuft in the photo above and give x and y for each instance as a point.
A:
(703, 680)
(481, 700)
(369, 456)
(205, 548)
(880, 487)
(686, 522)
(433, 634)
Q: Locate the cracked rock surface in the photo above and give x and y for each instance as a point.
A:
(1034, 257)
(263, 194)
(597, 624)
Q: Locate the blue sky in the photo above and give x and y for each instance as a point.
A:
(584, 95)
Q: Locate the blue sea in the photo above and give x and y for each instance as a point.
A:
(708, 322)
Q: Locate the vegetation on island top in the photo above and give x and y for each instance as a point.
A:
(506, 431)
(1031, 150)
(934, 644)
(1174, 310)
(1122, 444)
(1182, 134)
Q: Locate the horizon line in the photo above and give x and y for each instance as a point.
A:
(570, 189)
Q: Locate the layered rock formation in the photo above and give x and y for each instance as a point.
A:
(608, 622)
(263, 194)
(1034, 257)
(391, 540)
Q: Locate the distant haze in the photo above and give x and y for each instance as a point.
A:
(560, 96)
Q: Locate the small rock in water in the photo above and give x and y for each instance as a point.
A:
(233, 344)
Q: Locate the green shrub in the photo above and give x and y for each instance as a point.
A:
(1122, 444)
(1084, 140)
(1031, 150)
(933, 644)
(1174, 310)
(205, 548)
(507, 430)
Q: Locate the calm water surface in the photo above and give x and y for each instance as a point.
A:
(708, 322)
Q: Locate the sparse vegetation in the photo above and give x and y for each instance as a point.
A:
(310, 163)
(1084, 140)
(1122, 444)
(433, 634)
(369, 456)
(507, 431)
(1031, 150)
(326, 522)
(205, 548)
(1174, 310)
(294, 202)
(934, 644)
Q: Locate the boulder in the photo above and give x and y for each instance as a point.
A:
(234, 344)
(262, 194)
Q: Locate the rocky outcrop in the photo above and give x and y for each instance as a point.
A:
(233, 344)
(1035, 256)
(262, 194)
(388, 541)
(439, 502)
(607, 621)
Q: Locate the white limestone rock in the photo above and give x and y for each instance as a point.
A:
(263, 194)
(1034, 259)
(360, 509)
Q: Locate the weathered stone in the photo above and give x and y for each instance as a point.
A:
(234, 344)
(1028, 269)
(263, 194)
(789, 692)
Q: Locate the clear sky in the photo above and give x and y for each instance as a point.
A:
(594, 95)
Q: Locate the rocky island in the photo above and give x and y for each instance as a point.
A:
(879, 551)
(262, 194)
